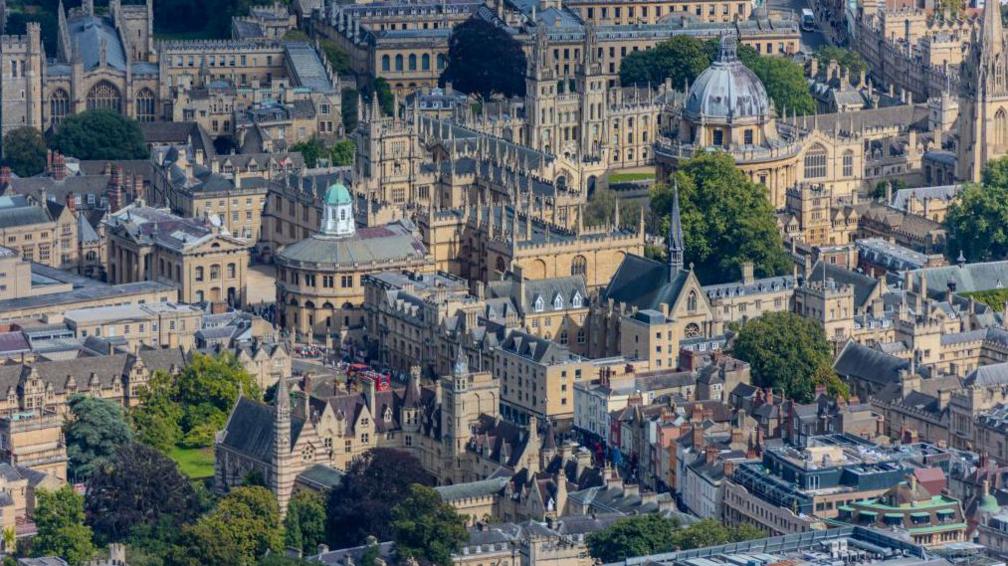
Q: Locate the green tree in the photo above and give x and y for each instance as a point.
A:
(342, 153)
(380, 88)
(97, 428)
(157, 419)
(197, 401)
(337, 57)
(59, 517)
(650, 534)
(140, 490)
(427, 529)
(243, 527)
(785, 84)
(788, 353)
(879, 191)
(976, 221)
(348, 109)
(602, 209)
(295, 34)
(484, 59)
(680, 59)
(994, 298)
(362, 504)
(312, 150)
(304, 524)
(850, 60)
(727, 219)
(24, 151)
(636, 535)
(99, 134)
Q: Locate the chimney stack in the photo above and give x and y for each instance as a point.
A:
(71, 202)
(58, 166)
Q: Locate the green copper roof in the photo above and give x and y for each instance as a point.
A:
(337, 194)
(989, 503)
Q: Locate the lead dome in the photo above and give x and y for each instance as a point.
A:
(727, 91)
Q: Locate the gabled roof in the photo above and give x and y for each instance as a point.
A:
(644, 283)
(861, 362)
(250, 430)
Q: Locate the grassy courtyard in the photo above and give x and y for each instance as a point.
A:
(196, 463)
(630, 176)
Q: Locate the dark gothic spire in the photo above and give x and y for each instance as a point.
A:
(675, 237)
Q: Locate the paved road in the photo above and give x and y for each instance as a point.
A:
(810, 41)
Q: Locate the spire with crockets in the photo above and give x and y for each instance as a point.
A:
(676, 248)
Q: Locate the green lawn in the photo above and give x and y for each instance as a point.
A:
(630, 176)
(197, 463)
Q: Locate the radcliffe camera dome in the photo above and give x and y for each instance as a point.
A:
(727, 90)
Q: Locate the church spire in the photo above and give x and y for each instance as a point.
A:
(675, 237)
(991, 64)
(993, 34)
(282, 423)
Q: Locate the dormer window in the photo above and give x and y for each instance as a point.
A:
(539, 305)
(576, 300)
(558, 303)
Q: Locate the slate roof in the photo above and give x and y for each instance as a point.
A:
(901, 198)
(532, 347)
(567, 288)
(988, 375)
(644, 283)
(967, 278)
(88, 34)
(861, 362)
(471, 490)
(250, 430)
(322, 476)
(863, 284)
(18, 211)
(382, 244)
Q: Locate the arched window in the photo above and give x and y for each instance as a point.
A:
(412, 62)
(579, 266)
(692, 330)
(442, 61)
(59, 106)
(215, 271)
(145, 106)
(815, 163)
(386, 63)
(104, 96)
(199, 273)
(848, 163)
(576, 300)
(1000, 127)
(425, 62)
(691, 302)
(399, 63)
(501, 266)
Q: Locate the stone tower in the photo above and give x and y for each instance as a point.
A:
(21, 58)
(284, 464)
(465, 395)
(592, 92)
(541, 97)
(983, 117)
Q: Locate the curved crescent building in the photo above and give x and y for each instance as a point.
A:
(319, 290)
